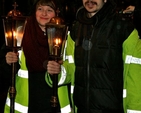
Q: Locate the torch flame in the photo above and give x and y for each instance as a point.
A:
(57, 41)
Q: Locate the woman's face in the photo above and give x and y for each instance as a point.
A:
(44, 14)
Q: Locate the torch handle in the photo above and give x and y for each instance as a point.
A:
(12, 90)
(54, 100)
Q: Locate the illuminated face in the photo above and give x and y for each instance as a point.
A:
(93, 6)
(44, 14)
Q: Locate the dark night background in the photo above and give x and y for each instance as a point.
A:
(25, 6)
(68, 9)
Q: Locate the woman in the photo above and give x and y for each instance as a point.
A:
(32, 93)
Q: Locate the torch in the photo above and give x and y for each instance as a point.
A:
(56, 34)
(14, 24)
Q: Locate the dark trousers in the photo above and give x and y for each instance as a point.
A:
(100, 111)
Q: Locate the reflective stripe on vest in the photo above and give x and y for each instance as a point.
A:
(70, 59)
(124, 93)
(133, 111)
(72, 88)
(63, 75)
(23, 73)
(20, 53)
(20, 108)
(66, 109)
(134, 60)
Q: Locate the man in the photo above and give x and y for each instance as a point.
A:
(97, 38)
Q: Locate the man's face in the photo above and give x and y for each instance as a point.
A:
(93, 6)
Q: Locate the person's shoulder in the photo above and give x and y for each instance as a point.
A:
(74, 28)
(124, 22)
(75, 24)
(123, 26)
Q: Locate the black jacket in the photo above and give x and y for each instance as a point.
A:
(98, 60)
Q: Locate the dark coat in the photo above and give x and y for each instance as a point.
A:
(98, 60)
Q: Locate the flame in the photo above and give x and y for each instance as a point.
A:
(57, 41)
(14, 33)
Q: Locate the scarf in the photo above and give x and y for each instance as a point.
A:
(35, 46)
